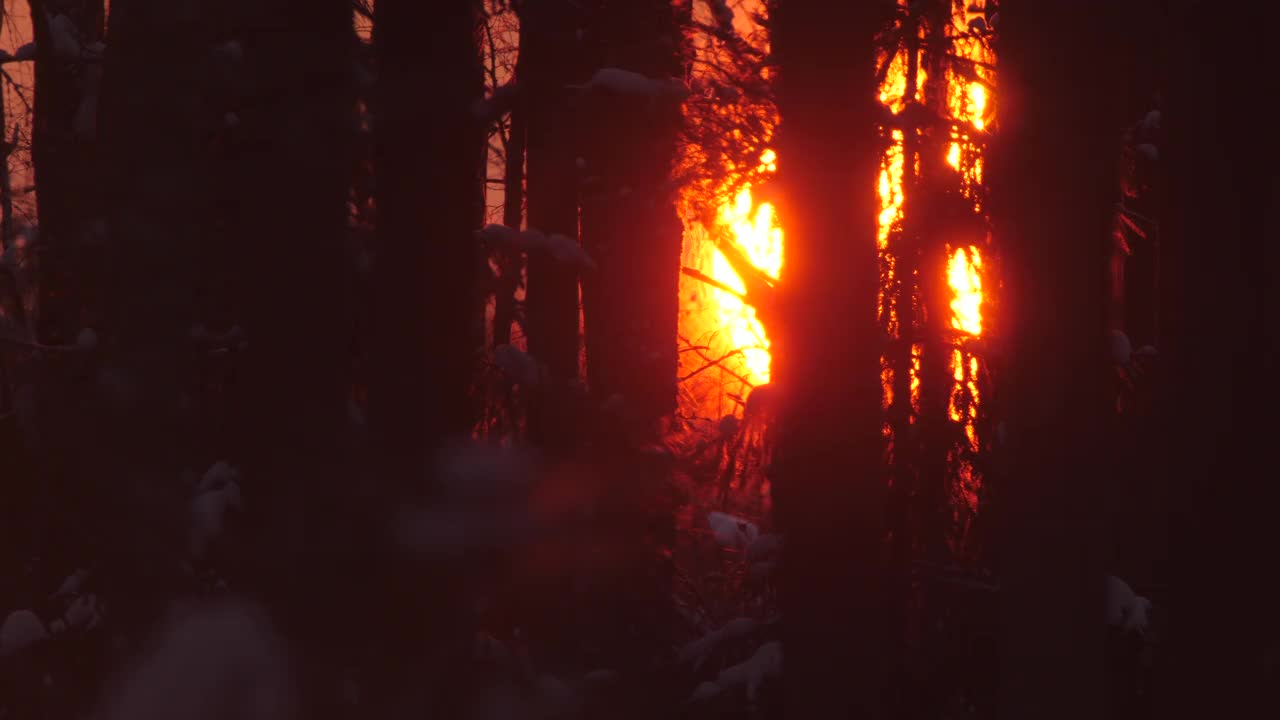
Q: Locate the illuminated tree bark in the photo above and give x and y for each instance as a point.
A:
(830, 492)
(1054, 192)
(548, 41)
(629, 222)
(64, 158)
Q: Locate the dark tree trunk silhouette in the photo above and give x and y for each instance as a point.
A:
(1223, 380)
(830, 491)
(429, 168)
(155, 187)
(629, 223)
(1054, 193)
(63, 153)
(548, 41)
(296, 134)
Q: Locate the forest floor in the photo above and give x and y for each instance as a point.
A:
(707, 618)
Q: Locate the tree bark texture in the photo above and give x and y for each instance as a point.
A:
(830, 491)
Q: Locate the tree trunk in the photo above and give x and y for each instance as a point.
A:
(426, 167)
(297, 131)
(63, 152)
(1054, 191)
(629, 222)
(830, 492)
(155, 189)
(429, 168)
(1219, 445)
(548, 43)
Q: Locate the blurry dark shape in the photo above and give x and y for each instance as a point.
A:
(751, 674)
(731, 532)
(518, 366)
(20, 630)
(219, 661)
(1126, 610)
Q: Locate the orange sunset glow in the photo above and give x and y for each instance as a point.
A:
(720, 326)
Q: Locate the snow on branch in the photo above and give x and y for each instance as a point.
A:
(561, 248)
(24, 53)
(626, 82)
(723, 15)
(503, 99)
(1126, 609)
(66, 41)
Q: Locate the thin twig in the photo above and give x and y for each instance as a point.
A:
(713, 363)
(699, 275)
(723, 369)
(17, 89)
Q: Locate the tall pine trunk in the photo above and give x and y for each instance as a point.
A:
(830, 491)
(297, 130)
(629, 222)
(1054, 194)
(1223, 393)
(429, 166)
(155, 187)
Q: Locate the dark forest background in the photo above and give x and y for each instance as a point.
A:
(295, 422)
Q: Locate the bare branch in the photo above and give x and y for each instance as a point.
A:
(711, 364)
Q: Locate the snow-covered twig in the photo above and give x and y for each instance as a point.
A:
(626, 82)
(22, 54)
(561, 248)
(1126, 609)
(696, 652)
(723, 14)
(488, 110)
(732, 532)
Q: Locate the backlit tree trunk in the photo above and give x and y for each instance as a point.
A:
(548, 49)
(629, 222)
(1054, 194)
(830, 490)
